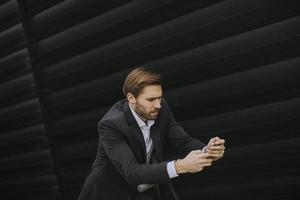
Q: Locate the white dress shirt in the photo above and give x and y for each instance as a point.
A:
(145, 128)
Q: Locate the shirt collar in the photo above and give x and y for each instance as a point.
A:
(140, 122)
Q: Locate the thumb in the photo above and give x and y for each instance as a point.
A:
(196, 151)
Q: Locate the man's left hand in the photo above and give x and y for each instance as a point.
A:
(216, 148)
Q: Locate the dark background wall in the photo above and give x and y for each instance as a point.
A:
(231, 69)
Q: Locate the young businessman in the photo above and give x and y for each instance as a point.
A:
(132, 137)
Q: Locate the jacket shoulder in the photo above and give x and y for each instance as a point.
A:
(114, 117)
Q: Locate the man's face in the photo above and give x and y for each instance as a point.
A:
(148, 103)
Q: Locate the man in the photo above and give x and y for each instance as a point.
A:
(133, 135)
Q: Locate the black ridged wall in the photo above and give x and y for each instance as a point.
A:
(231, 69)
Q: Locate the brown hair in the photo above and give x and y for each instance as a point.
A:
(139, 78)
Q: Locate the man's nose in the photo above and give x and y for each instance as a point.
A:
(157, 104)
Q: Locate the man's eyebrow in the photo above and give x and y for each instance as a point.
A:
(153, 97)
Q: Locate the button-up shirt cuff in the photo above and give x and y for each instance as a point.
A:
(171, 169)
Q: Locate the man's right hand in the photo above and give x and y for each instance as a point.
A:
(194, 162)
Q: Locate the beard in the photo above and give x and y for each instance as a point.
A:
(140, 110)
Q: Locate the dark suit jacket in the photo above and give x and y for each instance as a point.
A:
(120, 163)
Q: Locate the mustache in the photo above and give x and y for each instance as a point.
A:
(156, 110)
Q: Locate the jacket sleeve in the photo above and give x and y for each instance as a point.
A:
(178, 138)
(120, 154)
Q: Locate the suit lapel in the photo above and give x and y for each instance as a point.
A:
(155, 135)
(137, 133)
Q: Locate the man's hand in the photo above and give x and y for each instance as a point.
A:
(194, 162)
(216, 148)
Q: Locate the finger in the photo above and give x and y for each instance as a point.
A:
(215, 150)
(221, 147)
(221, 141)
(209, 145)
(206, 164)
(216, 153)
(200, 169)
(204, 156)
(218, 146)
(216, 138)
(208, 161)
(203, 161)
(212, 140)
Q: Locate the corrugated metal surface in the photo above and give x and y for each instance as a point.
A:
(231, 68)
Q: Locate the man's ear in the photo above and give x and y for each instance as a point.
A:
(131, 98)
